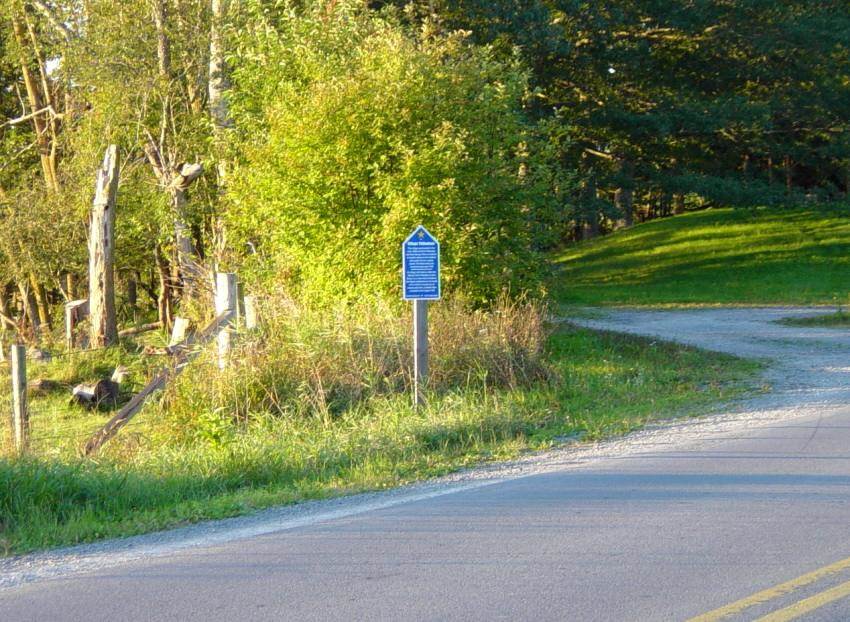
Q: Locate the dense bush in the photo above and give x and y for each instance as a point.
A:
(369, 131)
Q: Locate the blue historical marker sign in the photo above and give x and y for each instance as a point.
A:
(420, 259)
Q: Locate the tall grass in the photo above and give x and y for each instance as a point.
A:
(306, 363)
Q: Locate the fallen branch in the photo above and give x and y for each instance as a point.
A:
(138, 330)
(31, 115)
(183, 355)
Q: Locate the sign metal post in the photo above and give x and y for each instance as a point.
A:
(420, 259)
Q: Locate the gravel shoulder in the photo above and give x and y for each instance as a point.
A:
(807, 376)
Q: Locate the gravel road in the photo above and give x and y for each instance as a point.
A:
(809, 365)
(664, 524)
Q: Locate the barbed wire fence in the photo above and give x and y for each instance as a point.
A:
(57, 426)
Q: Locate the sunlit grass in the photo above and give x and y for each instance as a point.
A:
(716, 256)
(58, 427)
(602, 384)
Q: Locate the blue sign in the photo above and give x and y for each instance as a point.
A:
(420, 266)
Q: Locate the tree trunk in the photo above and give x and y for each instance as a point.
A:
(624, 202)
(847, 179)
(47, 97)
(218, 85)
(651, 206)
(71, 286)
(165, 302)
(789, 173)
(104, 325)
(678, 203)
(36, 101)
(5, 313)
(182, 232)
(624, 196)
(163, 43)
(41, 302)
(30, 309)
(132, 292)
(185, 250)
(666, 204)
(590, 227)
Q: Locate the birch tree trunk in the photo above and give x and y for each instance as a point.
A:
(218, 83)
(44, 131)
(104, 326)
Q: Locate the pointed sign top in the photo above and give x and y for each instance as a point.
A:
(420, 266)
(421, 234)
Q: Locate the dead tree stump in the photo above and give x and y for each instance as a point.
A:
(104, 326)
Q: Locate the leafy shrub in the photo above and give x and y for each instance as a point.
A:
(371, 131)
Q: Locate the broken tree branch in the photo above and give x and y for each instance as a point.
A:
(183, 356)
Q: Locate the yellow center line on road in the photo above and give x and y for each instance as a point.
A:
(806, 605)
(775, 592)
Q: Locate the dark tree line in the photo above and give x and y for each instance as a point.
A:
(668, 102)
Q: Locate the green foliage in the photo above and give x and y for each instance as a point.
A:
(722, 99)
(371, 131)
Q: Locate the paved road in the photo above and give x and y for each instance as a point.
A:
(748, 510)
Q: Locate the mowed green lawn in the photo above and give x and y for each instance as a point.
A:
(721, 256)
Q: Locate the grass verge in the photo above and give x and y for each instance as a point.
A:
(599, 384)
(722, 256)
(839, 319)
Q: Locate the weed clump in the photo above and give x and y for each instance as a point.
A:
(321, 364)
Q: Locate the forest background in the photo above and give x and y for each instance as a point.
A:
(507, 128)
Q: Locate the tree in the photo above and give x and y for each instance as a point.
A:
(369, 132)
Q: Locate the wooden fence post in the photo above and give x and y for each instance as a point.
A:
(251, 317)
(20, 415)
(104, 325)
(178, 333)
(225, 303)
(75, 312)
